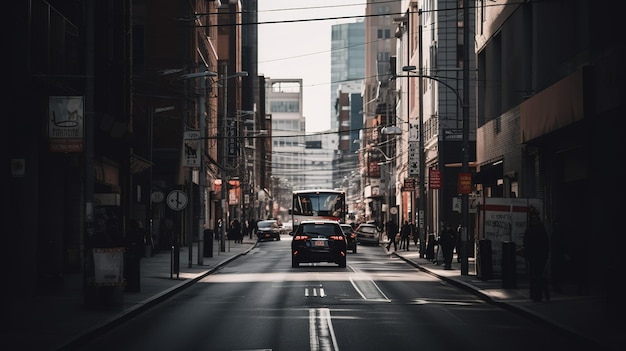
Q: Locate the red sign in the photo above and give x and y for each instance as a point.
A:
(434, 179)
(465, 183)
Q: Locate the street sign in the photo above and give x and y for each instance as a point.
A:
(191, 154)
(177, 200)
(465, 183)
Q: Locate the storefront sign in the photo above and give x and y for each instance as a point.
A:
(434, 179)
(465, 183)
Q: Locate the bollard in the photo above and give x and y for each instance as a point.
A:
(208, 243)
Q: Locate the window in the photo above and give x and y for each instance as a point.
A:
(284, 106)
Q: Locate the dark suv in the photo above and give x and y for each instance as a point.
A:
(318, 241)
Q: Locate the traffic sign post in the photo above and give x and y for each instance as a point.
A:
(176, 200)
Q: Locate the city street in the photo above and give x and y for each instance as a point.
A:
(259, 302)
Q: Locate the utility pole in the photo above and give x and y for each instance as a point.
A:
(465, 163)
(422, 154)
(202, 173)
(224, 156)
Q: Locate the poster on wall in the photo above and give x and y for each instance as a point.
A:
(505, 220)
(109, 266)
(65, 123)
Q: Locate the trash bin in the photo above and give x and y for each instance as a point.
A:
(208, 243)
(509, 269)
(485, 262)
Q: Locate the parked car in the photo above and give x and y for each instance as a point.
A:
(350, 236)
(268, 230)
(367, 233)
(318, 241)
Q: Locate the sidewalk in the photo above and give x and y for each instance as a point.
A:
(583, 317)
(61, 319)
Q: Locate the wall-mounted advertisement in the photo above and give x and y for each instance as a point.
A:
(66, 123)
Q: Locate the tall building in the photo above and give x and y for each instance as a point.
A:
(378, 105)
(284, 104)
(431, 34)
(321, 150)
(350, 122)
(347, 59)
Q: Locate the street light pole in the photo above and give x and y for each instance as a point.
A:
(422, 153)
(202, 173)
(224, 157)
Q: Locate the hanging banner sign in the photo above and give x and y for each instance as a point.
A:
(465, 183)
(434, 179)
(414, 169)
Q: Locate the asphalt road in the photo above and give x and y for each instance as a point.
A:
(378, 302)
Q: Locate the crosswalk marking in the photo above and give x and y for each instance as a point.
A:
(314, 292)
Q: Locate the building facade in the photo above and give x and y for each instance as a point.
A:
(548, 103)
(378, 106)
(347, 59)
(284, 104)
(430, 81)
(108, 99)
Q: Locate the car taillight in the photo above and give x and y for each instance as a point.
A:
(301, 237)
(337, 237)
(353, 235)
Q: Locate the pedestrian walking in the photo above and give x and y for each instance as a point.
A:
(252, 228)
(536, 250)
(405, 234)
(234, 233)
(447, 239)
(392, 229)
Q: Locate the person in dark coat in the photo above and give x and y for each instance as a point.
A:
(234, 233)
(392, 229)
(536, 251)
(447, 240)
(405, 234)
(251, 228)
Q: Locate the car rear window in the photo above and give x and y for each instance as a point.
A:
(265, 224)
(323, 229)
(368, 229)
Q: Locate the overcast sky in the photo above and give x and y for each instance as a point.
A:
(301, 50)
